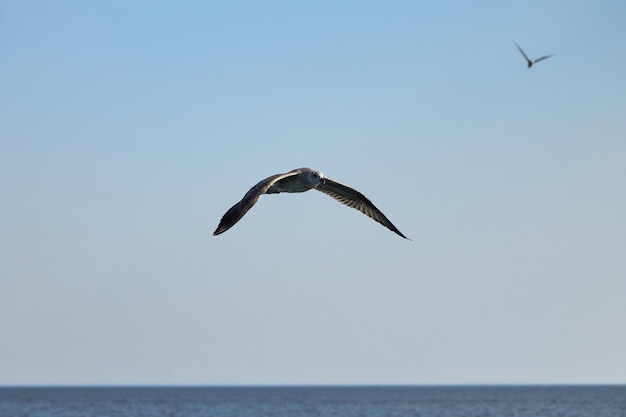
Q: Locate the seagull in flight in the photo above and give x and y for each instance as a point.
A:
(299, 181)
(531, 62)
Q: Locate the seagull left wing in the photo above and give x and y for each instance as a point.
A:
(522, 51)
(353, 198)
(236, 212)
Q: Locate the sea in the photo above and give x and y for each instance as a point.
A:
(319, 401)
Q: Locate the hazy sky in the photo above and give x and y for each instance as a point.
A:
(127, 129)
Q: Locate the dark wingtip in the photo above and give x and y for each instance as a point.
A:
(220, 229)
(398, 232)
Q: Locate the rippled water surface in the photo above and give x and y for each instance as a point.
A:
(423, 401)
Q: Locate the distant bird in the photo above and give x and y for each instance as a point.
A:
(299, 181)
(531, 62)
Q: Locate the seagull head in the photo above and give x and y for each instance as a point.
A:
(317, 177)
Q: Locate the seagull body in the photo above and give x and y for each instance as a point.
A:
(531, 62)
(299, 181)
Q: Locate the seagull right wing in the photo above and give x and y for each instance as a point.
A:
(353, 198)
(543, 57)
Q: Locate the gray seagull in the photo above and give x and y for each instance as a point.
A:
(531, 62)
(299, 181)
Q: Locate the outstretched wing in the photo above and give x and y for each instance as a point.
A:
(543, 57)
(352, 198)
(522, 52)
(236, 212)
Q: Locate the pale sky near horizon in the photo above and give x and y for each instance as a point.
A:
(127, 129)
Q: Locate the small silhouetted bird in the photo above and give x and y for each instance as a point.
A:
(531, 62)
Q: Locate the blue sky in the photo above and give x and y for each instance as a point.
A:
(127, 130)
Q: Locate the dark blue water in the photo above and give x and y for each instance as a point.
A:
(422, 401)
